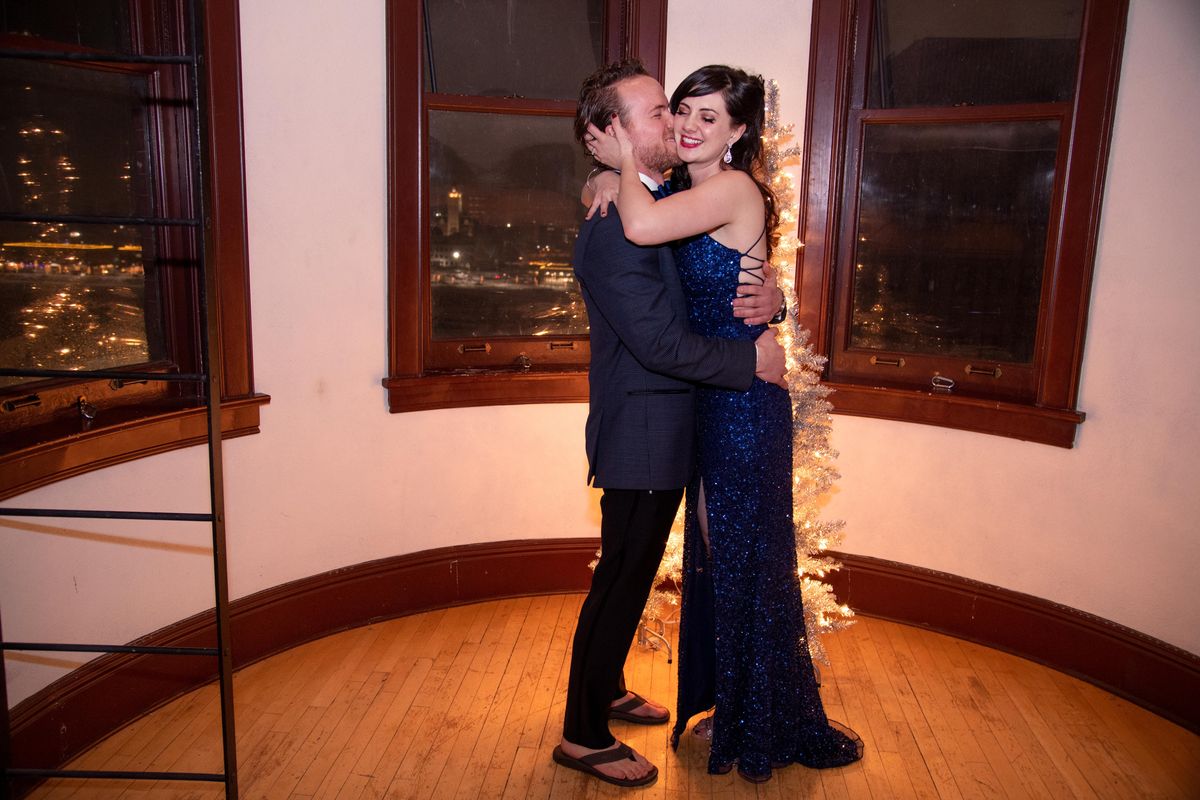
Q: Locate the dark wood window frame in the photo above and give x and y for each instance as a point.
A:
(418, 377)
(1052, 417)
(50, 442)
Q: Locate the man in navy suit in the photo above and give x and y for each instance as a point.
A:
(640, 425)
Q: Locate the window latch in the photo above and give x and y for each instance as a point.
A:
(942, 384)
(86, 409)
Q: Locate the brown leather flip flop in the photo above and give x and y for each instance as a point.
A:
(624, 711)
(587, 765)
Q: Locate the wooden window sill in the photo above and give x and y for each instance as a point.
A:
(123, 435)
(465, 388)
(1042, 424)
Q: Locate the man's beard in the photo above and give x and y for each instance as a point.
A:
(659, 158)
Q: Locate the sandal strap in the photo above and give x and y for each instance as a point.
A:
(637, 701)
(618, 753)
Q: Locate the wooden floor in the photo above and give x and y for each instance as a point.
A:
(467, 702)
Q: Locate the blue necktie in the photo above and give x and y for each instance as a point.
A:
(661, 191)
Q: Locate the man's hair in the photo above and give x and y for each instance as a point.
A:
(598, 99)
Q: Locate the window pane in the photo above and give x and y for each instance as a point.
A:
(951, 238)
(77, 306)
(973, 52)
(73, 140)
(535, 48)
(96, 24)
(503, 214)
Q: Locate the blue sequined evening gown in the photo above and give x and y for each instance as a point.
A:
(742, 640)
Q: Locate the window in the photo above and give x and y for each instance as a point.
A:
(484, 179)
(104, 143)
(955, 159)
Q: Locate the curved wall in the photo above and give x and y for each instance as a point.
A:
(334, 480)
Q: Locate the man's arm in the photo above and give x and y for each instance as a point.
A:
(627, 288)
(772, 360)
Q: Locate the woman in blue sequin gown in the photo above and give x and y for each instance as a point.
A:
(742, 643)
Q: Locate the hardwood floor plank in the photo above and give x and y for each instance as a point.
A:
(465, 717)
(1108, 771)
(1165, 759)
(426, 758)
(861, 710)
(1016, 739)
(382, 753)
(509, 706)
(354, 645)
(516, 785)
(387, 778)
(487, 670)
(546, 719)
(659, 681)
(494, 697)
(327, 719)
(315, 662)
(263, 776)
(1058, 753)
(545, 677)
(539, 629)
(924, 759)
(796, 781)
(332, 766)
(943, 709)
(981, 714)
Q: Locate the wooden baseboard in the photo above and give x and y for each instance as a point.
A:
(1157, 676)
(67, 717)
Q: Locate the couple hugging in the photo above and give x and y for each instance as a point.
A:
(687, 390)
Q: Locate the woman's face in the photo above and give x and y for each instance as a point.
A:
(704, 129)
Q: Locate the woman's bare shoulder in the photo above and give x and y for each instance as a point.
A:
(735, 182)
(740, 188)
(733, 177)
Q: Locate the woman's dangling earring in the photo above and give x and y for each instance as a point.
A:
(728, 158)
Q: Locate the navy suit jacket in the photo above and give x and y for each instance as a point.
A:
(645, 359)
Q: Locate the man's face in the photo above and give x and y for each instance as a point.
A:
(648, 121)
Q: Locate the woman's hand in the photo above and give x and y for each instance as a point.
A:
(604, 146)
(605, 186)
(623, 140)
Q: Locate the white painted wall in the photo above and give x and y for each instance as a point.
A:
(333, 480)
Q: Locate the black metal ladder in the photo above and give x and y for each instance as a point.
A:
(209, 377)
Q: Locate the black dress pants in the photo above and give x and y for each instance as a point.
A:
(634, 526)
